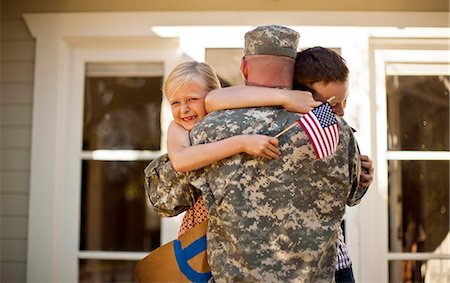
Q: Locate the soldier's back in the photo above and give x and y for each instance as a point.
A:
(272, 220)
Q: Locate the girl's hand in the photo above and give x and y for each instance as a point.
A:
(261, 145)
(299, 101)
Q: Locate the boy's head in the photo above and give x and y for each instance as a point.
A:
(186, 88)
(323, 72)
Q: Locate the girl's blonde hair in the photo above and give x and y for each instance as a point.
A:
(201, 74)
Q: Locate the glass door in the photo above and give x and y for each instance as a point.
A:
(121, 134)
(418, 139)
(417, 158)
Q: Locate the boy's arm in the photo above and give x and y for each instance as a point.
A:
(252, 96)
(357, 191)
(185, 157)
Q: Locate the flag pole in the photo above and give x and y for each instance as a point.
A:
(295, 123)
(287, 129)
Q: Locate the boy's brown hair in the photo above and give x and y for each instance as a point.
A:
(318, 64)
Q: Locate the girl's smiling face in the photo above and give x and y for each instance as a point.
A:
(188, 105)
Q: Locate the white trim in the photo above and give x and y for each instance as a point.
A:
(47, 162)
(394, 57)
(423, 69)
(123, 155)
(414, 42)
(139, 23)
(417, 256)
(418, 155)
(111, 255)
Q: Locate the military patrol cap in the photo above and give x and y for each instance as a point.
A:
(272, 40)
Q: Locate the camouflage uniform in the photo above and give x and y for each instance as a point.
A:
(169, 191)
(270, 220)
(275, 220)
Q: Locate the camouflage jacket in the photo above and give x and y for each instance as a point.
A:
(272, 220)
(168, 191)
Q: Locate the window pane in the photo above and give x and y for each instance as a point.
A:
(115, 215)
(92, 270)
(418, 206)
(432, 271)
(418, 112)
(122, 113)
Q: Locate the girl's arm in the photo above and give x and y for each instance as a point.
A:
(252, 96)
(185, 157)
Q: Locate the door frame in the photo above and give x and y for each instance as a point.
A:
(385, 53)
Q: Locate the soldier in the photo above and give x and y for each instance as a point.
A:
(320, 71)
(274, 220)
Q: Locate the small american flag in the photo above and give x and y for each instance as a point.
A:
(322, 128)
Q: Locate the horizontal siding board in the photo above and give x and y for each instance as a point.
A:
(13, 250)
(14, 205)
(15, 115)
(18, 138)
(14, 228)
(15, 159)
(15, 182)
(17, 50)
(13, 272)
(15, 29)
(16, 93)
(14, 72)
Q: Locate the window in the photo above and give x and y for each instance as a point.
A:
(121, 133)
(414, 156)
(418, 122)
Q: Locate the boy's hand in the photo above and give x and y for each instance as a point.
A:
(366, 177)
(261, 145)
(299, 101)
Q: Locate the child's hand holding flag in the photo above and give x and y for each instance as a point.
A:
(322, 128)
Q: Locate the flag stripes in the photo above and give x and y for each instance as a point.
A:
(321, 126)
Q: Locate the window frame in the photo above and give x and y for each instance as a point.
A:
(389, 56)
(61, 230)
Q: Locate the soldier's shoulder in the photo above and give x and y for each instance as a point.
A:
(161, 161)
(343, 125)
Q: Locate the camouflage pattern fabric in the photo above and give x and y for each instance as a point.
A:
(272, 40)
(275, 220)
(169, 191)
